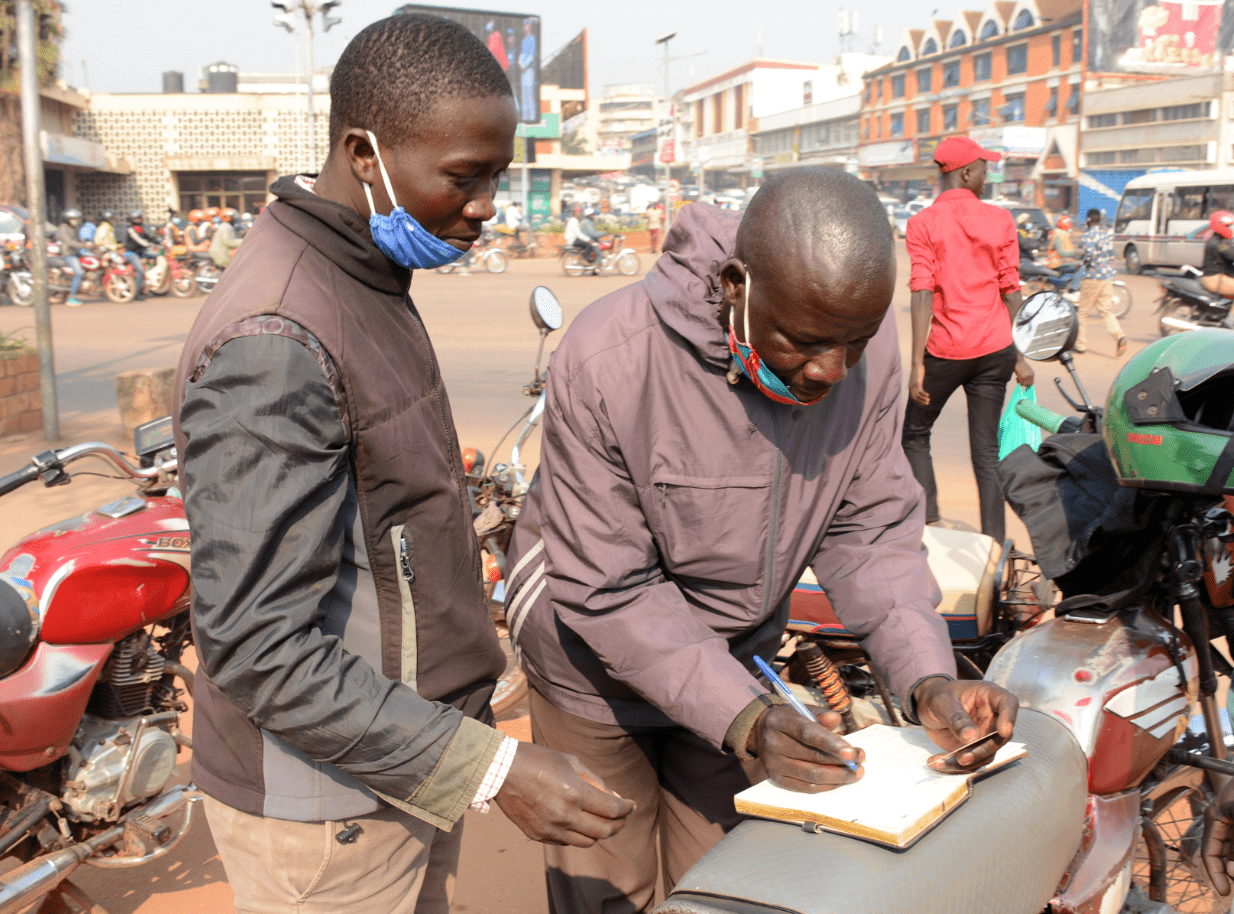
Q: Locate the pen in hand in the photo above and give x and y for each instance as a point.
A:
(786, 693)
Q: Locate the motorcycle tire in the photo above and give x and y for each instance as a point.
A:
(447, 267)
(182, 286)
(628, 263)
(1120, 307)
(163, 287)
(511, 691)
(120, 287)
(206, 277)
(495, 261)
(20, 294)
(1168, 865)
(57, 296)
(1177, 310)
(573, 264)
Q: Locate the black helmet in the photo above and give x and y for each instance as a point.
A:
(107, 216)
(71, 216)
(135, 216)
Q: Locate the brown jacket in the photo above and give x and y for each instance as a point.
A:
(674, 512)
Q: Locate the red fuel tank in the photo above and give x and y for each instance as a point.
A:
(105, 574)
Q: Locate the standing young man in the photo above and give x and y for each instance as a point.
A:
(347, 656)
(966, 290)
(655, 222)
(1097, 287)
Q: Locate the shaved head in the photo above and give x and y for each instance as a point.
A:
(811, 219)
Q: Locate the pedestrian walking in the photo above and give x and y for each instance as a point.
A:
(655, 222)
(1097, 287)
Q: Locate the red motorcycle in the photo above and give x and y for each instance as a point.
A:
(107, 273)
(93, 624)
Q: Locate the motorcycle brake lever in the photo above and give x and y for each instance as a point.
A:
(1058, 382)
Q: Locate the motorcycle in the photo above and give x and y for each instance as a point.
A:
(206, 272)
(108, 273)
(610, 257)
(515, 245)
(492, 257)
(497, 498)
(183, 283)
(1186, 305)
(1035, 277)
(95, 624)
(1106, 812)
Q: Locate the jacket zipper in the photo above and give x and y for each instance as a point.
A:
(404, 558)
(777, 460)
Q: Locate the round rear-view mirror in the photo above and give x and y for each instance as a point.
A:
(545, 309)
(1046, 327)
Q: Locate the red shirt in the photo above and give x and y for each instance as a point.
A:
(965, 252)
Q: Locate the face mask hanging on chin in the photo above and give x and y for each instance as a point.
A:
(747, 362)
(399, 236)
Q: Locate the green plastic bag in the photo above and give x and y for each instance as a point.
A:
(1013, 430)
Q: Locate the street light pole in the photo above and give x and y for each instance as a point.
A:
(668, 107)
(287, 20)
(312, 116)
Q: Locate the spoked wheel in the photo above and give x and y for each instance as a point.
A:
(573, 263)
(627, 263)
(207, 276)
(1122, 301)
(1168, 865)
(512, 685)
(120, 287)
(182, 284)
(1179, 311)
(495, 261)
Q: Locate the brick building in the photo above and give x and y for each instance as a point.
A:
(1010, 76)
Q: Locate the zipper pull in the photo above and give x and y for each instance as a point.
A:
(663, 487)
(404, 558)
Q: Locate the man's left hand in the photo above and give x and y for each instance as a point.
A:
(1023, 372)
(955, 713)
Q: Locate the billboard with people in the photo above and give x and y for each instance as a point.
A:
(1159, 36)
(514, 40)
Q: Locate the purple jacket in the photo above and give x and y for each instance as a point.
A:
(674, 512)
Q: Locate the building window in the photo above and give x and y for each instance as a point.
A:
(1023, 21)
(1051, 106)
(1017, 59)
(923, 120)
(244, 191)
(931, 47)
(1013, 109)
(1077, 46)
(981, 112)
(958, 39)
(1096, 121)
(981, 67)
(1101, 158)
(1185, 112)
(1141, 116)
(905, 54)
(897, 86)
(897, 124)
(988, 31)
(1056, 51)
(951, 117)
(1073, 98)
(924, 79)
(951, 74)
(739, 114)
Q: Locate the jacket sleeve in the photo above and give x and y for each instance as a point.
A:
(872, 564)
(267, 484)
(608, 586)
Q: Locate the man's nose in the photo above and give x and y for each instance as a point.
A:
(828, 367)
(480, 207)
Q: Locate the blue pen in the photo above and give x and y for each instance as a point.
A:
(786, 693)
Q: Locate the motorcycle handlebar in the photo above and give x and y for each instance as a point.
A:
(1038, 415)
(18, 479)
(68, 455)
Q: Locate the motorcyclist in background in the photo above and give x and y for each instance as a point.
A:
(1029, 241)
(224, 242)
(105, 233)
(1219, 255)
(588, 230)
(136, 243)
(245, 223)
(71, 247)
(196, 237)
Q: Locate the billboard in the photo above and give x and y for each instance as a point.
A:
(1159, 36)
(513, 39)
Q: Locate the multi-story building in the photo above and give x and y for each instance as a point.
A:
(624, 110)
(818, 134)
(1010, 76)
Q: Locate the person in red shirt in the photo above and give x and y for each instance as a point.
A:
(966, 291)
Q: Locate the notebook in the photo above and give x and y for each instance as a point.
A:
(897, 800)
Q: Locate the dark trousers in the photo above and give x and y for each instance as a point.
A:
(984, 380)
(684, 790)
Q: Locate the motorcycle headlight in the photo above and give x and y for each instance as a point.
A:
(16, 629)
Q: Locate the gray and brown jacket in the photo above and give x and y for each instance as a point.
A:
(346, 652)
(674, 512)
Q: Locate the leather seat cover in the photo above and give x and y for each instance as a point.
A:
(1003, 850)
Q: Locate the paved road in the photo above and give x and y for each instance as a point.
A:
(487, 347)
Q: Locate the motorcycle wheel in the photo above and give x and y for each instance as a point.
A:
(495, 261)
(447, 267)
(20, 294)
(1121, 304)
(206, 277)
(182, 286)
(573, 264)
(120, 287)
(511, 689)
(628, 263)
(1168, 864)
(1180, 311)
(163, 287)
(57, 296)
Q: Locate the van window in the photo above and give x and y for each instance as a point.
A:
(1220, 197)
(1188, 203)
(1135, 205)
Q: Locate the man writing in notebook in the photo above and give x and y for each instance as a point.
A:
(710, 433)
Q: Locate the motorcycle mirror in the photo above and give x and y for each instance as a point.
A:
(545, 309)
(1045, 327)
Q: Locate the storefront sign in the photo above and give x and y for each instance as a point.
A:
(925, 150)
(896, 152)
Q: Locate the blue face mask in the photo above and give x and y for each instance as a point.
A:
(399, 236)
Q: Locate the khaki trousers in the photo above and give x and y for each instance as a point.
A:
(397, 864)
(684, 790)
(1099, 294)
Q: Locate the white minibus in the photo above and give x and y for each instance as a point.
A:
(1162, 219)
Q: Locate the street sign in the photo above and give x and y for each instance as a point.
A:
(756, 168)
(674, 186)
(668, 154)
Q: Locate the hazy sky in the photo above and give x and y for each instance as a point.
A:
(127, 44)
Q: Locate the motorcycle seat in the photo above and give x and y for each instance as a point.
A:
(201, 255)
(965, 564)
(1004, 850)
(1195, 288)
(1030, 270)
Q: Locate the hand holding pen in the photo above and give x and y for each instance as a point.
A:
(800, 751)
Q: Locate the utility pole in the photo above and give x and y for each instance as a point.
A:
(35, 203)
(668, 107)
(287, 20)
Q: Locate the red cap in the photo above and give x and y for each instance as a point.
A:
(958, 151)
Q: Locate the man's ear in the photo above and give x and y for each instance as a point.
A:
(361, 158)
(733, 281)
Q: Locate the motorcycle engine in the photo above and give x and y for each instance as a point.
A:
(121, 754)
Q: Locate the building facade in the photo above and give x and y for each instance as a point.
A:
(826, 134)
(1010, 76)
(623, 111)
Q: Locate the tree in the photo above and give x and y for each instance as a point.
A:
(47, 34)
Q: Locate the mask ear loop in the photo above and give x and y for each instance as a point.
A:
(745, 313)
(384, 176)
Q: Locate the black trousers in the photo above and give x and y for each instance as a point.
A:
(984, 380)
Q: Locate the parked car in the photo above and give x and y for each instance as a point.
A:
(901, 216)
(12, 228)
(916, 206)
(1039, 223)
